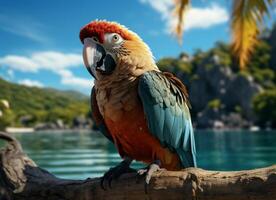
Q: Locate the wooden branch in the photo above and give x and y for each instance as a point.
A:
(20, 178)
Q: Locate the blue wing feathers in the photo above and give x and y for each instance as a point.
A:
(167, 113)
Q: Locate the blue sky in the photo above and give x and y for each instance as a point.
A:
(40, 45)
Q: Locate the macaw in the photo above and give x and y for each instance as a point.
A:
(143, 111)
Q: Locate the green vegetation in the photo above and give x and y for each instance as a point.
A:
(6, 115)
(215, 104)
(175, 65)
(264, 105)
(31, 105)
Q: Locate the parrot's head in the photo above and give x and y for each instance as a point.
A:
(110, 49)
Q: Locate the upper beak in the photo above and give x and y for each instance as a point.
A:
(93, 55)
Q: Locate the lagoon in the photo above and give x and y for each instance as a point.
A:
(79, 155)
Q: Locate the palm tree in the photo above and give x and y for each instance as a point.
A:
(247, 20)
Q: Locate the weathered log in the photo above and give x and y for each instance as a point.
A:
(20, 178)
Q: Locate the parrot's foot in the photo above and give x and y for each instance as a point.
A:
(148, 171)
(115, 172)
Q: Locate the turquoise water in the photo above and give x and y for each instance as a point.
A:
(82, 155)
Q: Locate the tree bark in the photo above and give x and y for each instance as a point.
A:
(20, 178)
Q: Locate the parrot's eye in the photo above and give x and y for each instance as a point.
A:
(113, 38)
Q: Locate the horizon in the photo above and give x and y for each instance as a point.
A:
(35, 53)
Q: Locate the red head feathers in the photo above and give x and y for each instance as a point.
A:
(98, 28)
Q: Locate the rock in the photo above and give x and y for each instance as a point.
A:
(184, 57)
(254, 128)
(199, 95)
(212, 83)
(220, 119)
(206, 118)
(240, 92)
(59, 123)
(218, 124)
(80, 122)
(219, 79)
(45, 126)
(234, 121)
(25, 119)
(215, 59)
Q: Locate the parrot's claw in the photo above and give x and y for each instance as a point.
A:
(114, 173)
(148, 171)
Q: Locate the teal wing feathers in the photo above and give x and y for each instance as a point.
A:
(166, 108)
(97, 117)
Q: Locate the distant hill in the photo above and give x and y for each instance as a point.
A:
(32, 105)
(68, 93)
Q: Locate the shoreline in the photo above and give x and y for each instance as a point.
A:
(31, 130)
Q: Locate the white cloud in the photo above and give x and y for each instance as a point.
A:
(53, 60)
(195, 17)
(67, 78)
(20, 63)
(206, 17)
(30, 83)
(56, 62)
(49, 60)
(162, 6)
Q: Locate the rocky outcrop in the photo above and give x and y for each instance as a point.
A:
(79, 122)
(209, 83)
(235, 91)
(220, 119)
(240, 92)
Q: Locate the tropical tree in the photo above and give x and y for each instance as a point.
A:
(6, 115)
(247, 21)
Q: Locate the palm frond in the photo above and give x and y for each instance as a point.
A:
(247, 21)
(179, 11)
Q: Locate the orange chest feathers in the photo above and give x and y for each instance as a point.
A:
(126, 122)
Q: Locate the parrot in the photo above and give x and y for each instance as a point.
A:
(143, 111)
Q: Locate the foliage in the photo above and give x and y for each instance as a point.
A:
(6, 119)
(215, 104)
(247, 16)
(272, 43)
(246, 22)
(221, 53)
(180, 7)
(174, 65)
(41, 105)
(260, 65)
(264, 105)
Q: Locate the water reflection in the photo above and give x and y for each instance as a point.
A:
(82, 155)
